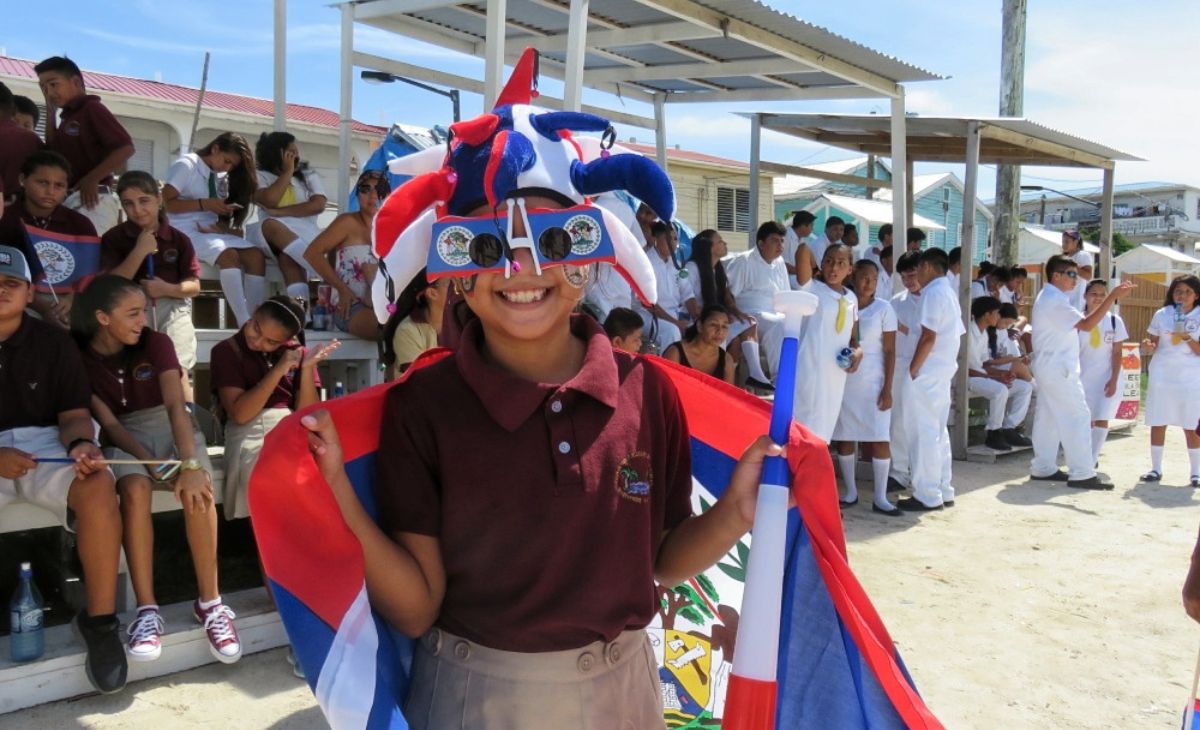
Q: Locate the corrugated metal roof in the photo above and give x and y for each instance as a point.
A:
(1002, 139)
(872, 211)
(635, 43)
(690, 156)
(1147, 186)
(97, 81)
(1164, 251)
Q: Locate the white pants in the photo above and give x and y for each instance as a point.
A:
(900, 427)
(667, 333)
(1062, 417)
(1007, 404)
(927, 409)
(770, 338)
(105, 215)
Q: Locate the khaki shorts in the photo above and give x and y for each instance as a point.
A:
(173, 318)
(151, 428)
(459, 684)
(47, 485)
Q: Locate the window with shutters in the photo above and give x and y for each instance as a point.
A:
(733, 209)
(143, 156)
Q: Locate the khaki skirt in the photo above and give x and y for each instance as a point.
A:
(151, 427)
(457, 683)
(243, 442)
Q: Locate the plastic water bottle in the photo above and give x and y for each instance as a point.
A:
(320, 317)
(845, 358)
(26, 639)
(339, 389)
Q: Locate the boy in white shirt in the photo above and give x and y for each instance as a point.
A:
(1008, 396)
(797, 235)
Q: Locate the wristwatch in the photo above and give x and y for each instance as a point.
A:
(191, 465)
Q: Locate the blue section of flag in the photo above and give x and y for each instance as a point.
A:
(67, 261)
(310, 636)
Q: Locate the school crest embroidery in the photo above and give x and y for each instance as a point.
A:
(145, 371)
(634, 477)
(170, 255)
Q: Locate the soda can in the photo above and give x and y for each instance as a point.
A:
(845, 358)
(325, 294)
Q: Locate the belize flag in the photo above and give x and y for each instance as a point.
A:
(838, 667)
(69, 261)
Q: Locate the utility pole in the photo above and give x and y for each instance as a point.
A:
(1012, 104)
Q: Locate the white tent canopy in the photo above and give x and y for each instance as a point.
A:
(1036, 244)
(870, 212)
(1150, 258)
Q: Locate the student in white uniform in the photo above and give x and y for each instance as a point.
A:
(820, 381)
(927, 401)
(1062, 416)
(873, 253)
(1173, 392)
(866, 413)
(1008, 396)
(207, 195)
(914, 241)
(991, 282)
(1072, 246)
(675, 306)
(754, 277)
(850, 240)
(811, 253)
(607, 290)
(290, 196)
(907, 305)
(1100, 364)
(955, 268)
(710, 287)
(802, 225)
(1010, 293)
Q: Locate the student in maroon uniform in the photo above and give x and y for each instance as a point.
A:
(88, 135)
(27, 114)
(138, 399)
(43, 178)
(261, 375)
(146, 249)
(16, 144)
(44, 400)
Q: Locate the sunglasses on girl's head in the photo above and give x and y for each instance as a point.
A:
(381, 188)
(469, 246)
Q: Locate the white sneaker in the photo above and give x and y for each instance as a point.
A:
(145, 636)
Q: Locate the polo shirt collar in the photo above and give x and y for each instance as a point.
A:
(22, 332)
(79, 102)
(511, 400)
(132, 231)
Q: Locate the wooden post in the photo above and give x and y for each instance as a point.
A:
(755, 158)
(280, 40)
(871, 176)
(660, 129)
(345, 75)
(576, 44)
(493, 53)
(899, 173)
(1106, 226)
(1012, 104)
(958, 434)
(908, 192)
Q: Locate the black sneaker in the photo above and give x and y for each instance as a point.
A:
(1092, 482)
(105, 663)
(1014, 437)
(760, 385)
(996, 442)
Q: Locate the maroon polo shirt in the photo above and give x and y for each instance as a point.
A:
(16, 143)
(87, 132)
(235, 365)
(128, 381)
(41, 376)
(61, 220)
(549, 501)
(175, 261)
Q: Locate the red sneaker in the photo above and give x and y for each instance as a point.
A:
(222, 636)
(145, 636)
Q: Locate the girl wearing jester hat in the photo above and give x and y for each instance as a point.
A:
(534, 484)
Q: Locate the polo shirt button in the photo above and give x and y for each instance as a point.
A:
(462, 651)
(564, 447)
(586, 660)
(556, 406)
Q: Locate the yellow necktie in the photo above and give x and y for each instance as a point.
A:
(1095, 338)
(841, 315)
(288, 197)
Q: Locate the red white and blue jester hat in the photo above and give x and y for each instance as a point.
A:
(496, 160)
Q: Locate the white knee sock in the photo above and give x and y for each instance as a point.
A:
(235, 294)
(1156, 453)
(299, 290)
(881, 467)
(846, 463)
(1194, 460)
(1099, 435)
(256, 291)
(753, 361)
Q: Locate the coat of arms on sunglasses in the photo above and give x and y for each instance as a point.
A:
(453, 246)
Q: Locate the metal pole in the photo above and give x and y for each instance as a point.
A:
(345, 120)
(899, 170)
(755, 157)
(191, 140)
(958, 435)
(280, 65)
(1012, 104)
(1106, 226)
(660, 129)
(576, 45)
(493, 54)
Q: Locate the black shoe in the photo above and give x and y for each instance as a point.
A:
(895, 486)
(760, 385)
(105, 663)
(1195, 481)
(1058, 476)
(1092, 482)
(847, 503)
(893, 512)
(912, 504)
(996, 442)
(1151, 476)
(947, 503)
(1014, 437)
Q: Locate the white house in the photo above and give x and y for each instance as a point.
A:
(1160, 263)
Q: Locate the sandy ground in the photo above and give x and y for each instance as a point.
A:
(1027, 605)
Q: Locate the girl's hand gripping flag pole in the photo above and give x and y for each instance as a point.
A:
(750, 700)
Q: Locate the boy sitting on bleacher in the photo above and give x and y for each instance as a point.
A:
(44, 398)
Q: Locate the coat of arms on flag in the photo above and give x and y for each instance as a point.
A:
(68, 261)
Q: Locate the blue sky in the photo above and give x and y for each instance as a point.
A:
(1115, 73)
